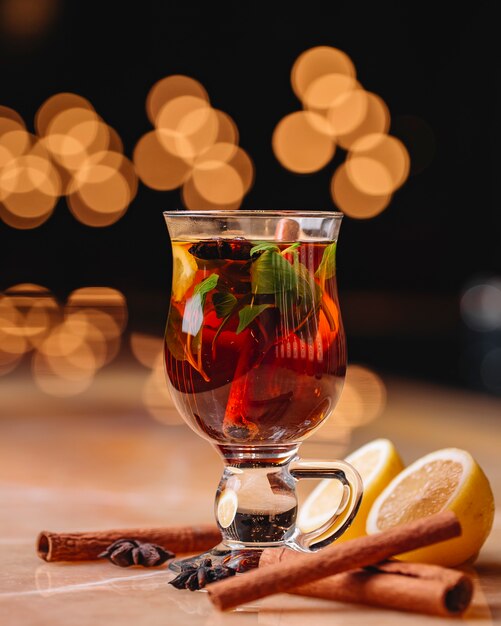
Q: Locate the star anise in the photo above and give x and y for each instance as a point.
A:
(127, 552)
(194, 576)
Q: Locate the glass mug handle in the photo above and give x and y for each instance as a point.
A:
(342, 517)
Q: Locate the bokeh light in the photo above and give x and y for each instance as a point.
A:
(168, 89)
(29, 183)
(193, 146)
(218, 182)
(363, 400)
(12, 343)
(36, 312)
(70, 343)
(156, 167)
(352, 201)
(481, 305)
(24, 20)
(375, 120)
(317, 62)
(339, 112)
(157, 399)
(148, 350)
(227, 131)
(325, 91)
(55, 105)
(102, 189)
(89, 154)
(347, 111)
(378, 164)
(7, 113)
(302, 143)
(189, 126)
(105, 299)
(75, 154)
(223, 174)
(193, 200)
(48, 380)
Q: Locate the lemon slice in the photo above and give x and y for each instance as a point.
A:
(183, 273)
(377, 462)
(227, 508)
(446, 479)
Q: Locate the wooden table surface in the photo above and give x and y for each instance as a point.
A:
(96, 471)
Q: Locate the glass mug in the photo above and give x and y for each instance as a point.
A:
(255, 355)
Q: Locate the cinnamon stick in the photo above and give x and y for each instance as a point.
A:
(416, 587)
(360, 552)
(83, 546)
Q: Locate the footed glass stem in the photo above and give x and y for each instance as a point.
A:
(256, 505)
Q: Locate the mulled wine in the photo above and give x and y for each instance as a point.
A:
(255, 348)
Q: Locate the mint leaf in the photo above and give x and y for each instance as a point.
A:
(264, 246)
(292, 248)
(206, 285)
(249, 313)
(327, 267)
(224, 302)
(271, 273)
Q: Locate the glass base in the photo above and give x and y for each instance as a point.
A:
(239, 559)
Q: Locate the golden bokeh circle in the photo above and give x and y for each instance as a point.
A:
(317, 62)
(55, 105)
(218, 182)
(378, 164)
(52, 384)
(102, 165)
(156, 167)
(189, 126)
(326, 90)
(301, 142)
(375, 120)
(193, 200)
(363, 399)
(108, 195)
(227, 131)
(146, 348)
(168, 89)
(351, 200)
(369, 176)
(22, 223)
(347, 112)
(157, 398)
(101, 304)
(11, 114)
(88, 216)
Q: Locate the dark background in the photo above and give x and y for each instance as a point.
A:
(402, 273)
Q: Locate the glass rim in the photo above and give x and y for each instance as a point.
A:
(253, 213)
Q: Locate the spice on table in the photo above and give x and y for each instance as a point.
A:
(196, 576)
(127, 552)
(360, 552)
(84, 546)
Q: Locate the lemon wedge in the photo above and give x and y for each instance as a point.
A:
(183, 272)
(446, 479)
(227, 508)
(378, 463)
